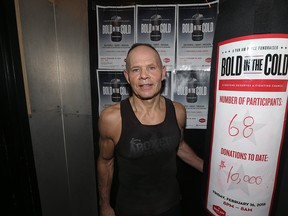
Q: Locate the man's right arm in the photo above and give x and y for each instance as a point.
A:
(105, 163)
(105, 168)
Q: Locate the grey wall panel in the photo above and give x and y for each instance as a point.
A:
(56, 51)
(72, 35)
(80, 155)
(38, 27)
(49, 154)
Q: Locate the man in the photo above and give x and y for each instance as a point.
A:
(144, 133)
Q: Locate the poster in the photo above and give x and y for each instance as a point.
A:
(156, 25)
(112, 87)
(249, 119)
(191, 88)
(196, 26)
(116, 34)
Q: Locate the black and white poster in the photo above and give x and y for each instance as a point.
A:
(112, 87)
(156, 25)
(116, 34)
(196, 27)
(191, 88)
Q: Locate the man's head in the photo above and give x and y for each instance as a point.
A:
(144, 71)
(141, 44)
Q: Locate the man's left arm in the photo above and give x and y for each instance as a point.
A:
(185, 152)
(189, 156)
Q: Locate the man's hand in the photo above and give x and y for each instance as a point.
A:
(107, 211)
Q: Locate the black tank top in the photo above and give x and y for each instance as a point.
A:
(146, 159)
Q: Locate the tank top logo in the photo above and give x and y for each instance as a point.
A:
(139, 147)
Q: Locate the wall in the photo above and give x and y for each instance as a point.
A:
(56, 60)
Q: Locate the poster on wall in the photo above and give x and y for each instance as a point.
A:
(156, 25)
(112, 87)
(196, 26)
(191, 87)
(249, 119)
(116, 34)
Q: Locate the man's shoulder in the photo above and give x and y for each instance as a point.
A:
(180, 111)
(178, 106)
(110, 112)
(110, 121)
(111, 108)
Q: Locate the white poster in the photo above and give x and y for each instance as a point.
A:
(249, 119)
(112, 87)
(196, 25)
(156, 25)
(116, 34)
(191, 88)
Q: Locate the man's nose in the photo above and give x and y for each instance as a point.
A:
(144, 73)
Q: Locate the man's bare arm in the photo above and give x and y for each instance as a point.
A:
(105, 165)
(105, 168)
(189, 156)
(185, 152)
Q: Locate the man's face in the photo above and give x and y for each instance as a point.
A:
(144, 72)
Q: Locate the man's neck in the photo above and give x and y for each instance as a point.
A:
(150, 111)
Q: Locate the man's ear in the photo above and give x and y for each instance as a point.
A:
(126, 76)
(163, 72)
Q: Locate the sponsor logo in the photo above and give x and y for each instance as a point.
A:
(208, 60)
(202, 120)
(219, 211)
(166, 60)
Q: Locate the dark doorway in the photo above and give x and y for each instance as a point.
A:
(19, 183)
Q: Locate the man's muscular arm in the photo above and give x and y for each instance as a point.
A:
(184, 151)
(105, 165)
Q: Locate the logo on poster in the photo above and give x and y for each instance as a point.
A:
(219, 211)
(276, 64)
